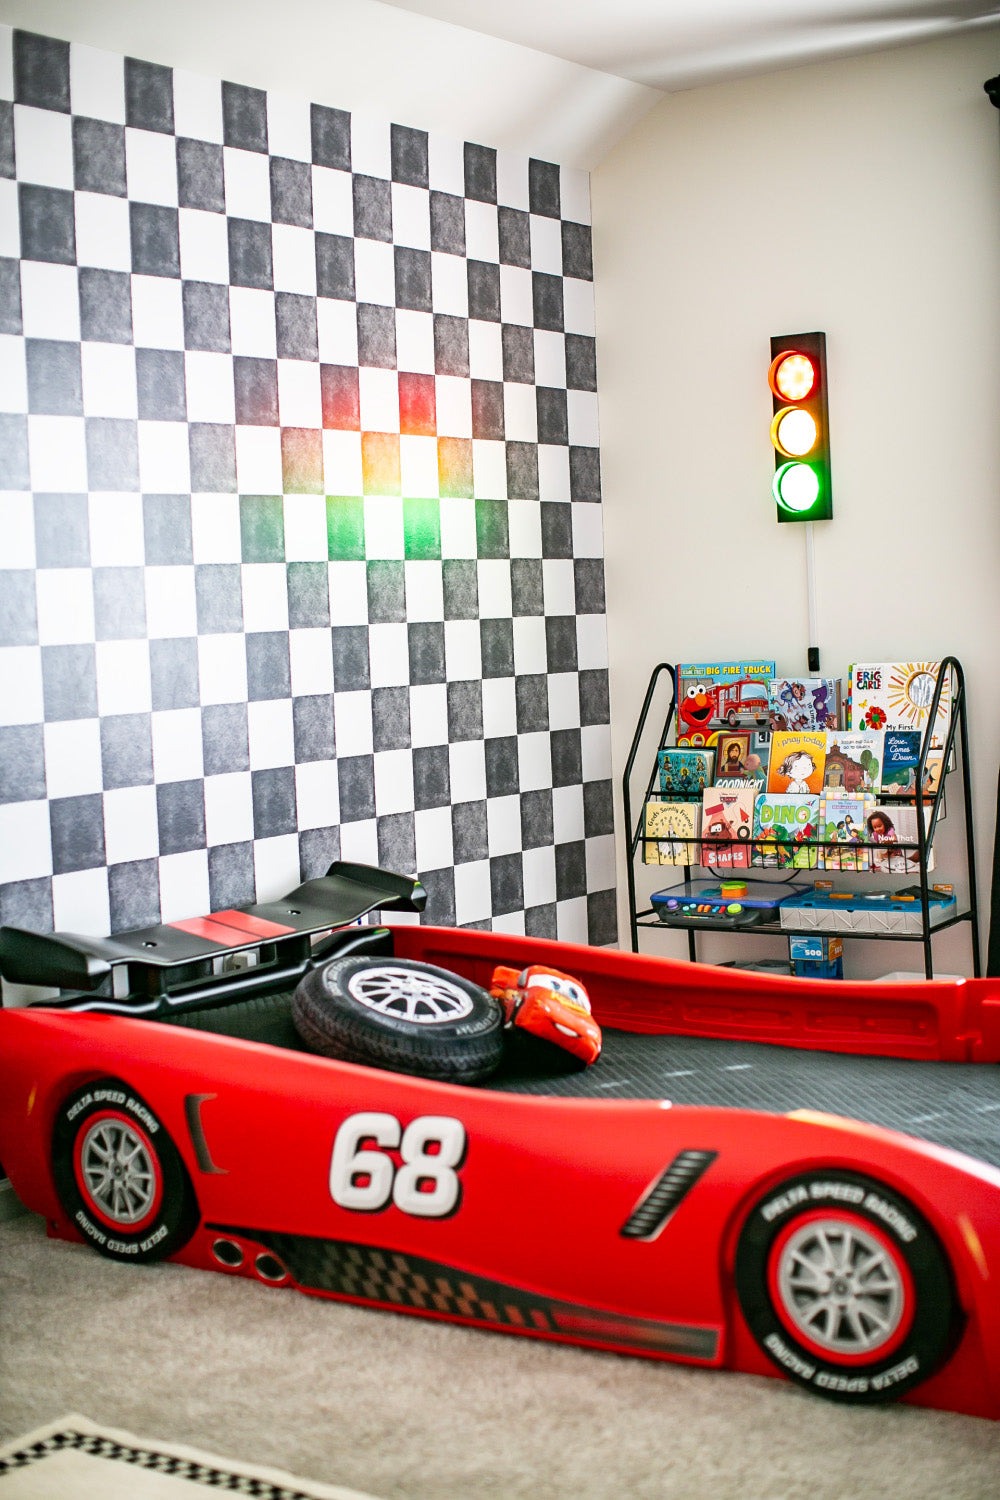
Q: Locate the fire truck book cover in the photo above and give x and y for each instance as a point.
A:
(854, 760)
(843, 828)
(898, 695)
(782, 827)
(886, 827)
(685, 773)
(672, 824)
(727, 827)
(805, 703)
(720, 694)
(797, 760)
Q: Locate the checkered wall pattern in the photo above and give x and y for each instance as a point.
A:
(301, 546)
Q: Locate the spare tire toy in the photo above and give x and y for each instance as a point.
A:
(119, 1176)
(400, 1014)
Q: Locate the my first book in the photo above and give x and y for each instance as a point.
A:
(898, 695)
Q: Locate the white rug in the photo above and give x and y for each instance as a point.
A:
(75, 1459)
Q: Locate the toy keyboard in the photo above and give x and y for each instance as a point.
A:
(703, 903)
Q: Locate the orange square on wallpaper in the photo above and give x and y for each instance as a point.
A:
(455, 467)
(380, 463)
(417, 405)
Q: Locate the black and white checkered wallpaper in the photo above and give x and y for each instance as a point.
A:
(301, 544)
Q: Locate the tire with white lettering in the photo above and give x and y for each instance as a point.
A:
(845, 1287)
(119, 1176)
(400, 1014)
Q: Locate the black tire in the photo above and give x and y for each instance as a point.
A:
(845, 1286)
(142, 1208)
(399, 1014)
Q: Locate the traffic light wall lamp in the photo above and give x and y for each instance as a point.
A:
(800, 428)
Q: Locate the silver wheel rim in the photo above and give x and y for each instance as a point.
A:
(840, 1287)
(410, 995)
(118, 1171)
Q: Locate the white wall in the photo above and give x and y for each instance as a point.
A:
(861, 198)
(369, 58)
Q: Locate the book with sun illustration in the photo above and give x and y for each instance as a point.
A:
(898, 695)
(727, 826)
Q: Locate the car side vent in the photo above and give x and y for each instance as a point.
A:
(668, 1191)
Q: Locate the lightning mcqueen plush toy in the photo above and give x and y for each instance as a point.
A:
(165, 1104)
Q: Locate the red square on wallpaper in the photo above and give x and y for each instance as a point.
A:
(417, 405)
(340, 395)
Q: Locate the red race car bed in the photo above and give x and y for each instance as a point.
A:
(770, 1175)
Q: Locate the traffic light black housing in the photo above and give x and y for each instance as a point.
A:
(800, 429)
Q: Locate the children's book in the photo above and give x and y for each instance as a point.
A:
(671, 824)
(757, 759)
(727, 826)
(899, 764)
(888, 827)
(843, 827)
(898, 695)
(732, 749)
(781, 824)
(805, 703)
(721, 694)
(853, 760)
(797, 761)
(685, 773)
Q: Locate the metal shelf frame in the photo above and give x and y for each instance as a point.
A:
(956, 751)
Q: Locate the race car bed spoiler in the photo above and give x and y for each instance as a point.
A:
(155, 969)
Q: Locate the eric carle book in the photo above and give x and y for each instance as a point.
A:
(672, 824)
(727, 826)
(797, 761)
(898, 695)
(721, 694)
(784, 823)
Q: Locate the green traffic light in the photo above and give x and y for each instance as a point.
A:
(796, 488)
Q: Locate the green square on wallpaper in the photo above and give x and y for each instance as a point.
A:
(422, 529)
(262, 528)
(345, 528)
(492, 529)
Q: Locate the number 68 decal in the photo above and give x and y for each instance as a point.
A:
(427, 1184)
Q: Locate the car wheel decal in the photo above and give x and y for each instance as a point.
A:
(845, 1286)
(118, 1171)
(119, 1177)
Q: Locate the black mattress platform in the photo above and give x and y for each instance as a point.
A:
(954, 1104)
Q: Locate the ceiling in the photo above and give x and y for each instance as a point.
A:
(681, 44)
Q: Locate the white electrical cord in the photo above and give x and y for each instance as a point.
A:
(811, 588)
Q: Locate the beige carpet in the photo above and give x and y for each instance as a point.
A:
(407, 1409)
(74, 1459)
